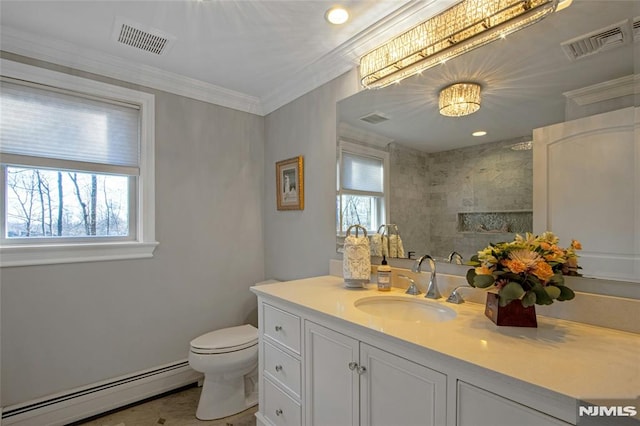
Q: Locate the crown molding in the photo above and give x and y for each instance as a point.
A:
(354, 134)
(69, 55)
(337, 62)
(623, 86)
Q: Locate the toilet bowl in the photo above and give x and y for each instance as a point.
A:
(229, 360)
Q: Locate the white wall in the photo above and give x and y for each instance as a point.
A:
(65, 326)
(300, 243)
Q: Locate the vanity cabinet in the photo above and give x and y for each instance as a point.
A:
(478, 407)
(280, 367)
(316, 370)
(352, 383)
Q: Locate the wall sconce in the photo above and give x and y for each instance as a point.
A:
(459, 99)
(459, 29)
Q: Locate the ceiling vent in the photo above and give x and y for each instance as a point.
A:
(636, 29)
(374, 118)
(136, 35)
(604, 39)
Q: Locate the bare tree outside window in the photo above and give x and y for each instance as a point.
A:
(51, 203)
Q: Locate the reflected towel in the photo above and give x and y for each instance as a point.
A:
(396, 248)
(356, 259)
(392, 246)
(376, 245)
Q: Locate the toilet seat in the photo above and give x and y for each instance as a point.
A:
(225, 340)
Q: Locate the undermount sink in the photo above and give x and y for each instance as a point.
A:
(405, 309)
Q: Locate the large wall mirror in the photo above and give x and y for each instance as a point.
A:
(451, 191)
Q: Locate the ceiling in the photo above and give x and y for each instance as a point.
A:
(257, 55)
(523, 78)
(252, 55)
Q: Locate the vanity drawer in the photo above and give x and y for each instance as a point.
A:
(282, 368)
(280, 409)
(282, 327)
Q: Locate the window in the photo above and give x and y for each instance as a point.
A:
(77, 169)
(362, 185)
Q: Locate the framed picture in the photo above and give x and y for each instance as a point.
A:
(290, 184)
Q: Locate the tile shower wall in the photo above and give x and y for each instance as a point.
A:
(409, 200)
(436, 188)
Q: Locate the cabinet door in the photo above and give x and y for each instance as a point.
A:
(478, 407)
(331, 397)
(395, 391)
(587, 186)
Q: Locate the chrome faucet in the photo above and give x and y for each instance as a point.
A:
(413, 289)
(455, 296)
(432, 290)
(455, 255)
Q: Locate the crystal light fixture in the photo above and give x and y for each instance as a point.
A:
(462, 27)
(459, 99)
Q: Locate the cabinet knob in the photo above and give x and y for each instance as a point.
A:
(353, 365)
(278, 328)
(278, 368)
(362, 369)
(278, 412)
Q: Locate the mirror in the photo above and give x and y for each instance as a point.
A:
(450, 191)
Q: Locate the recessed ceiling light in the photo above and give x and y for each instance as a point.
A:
(479, 133)
(337, 15)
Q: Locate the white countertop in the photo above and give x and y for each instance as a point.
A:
(577, 360)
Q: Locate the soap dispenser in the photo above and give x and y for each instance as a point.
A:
(384, 275)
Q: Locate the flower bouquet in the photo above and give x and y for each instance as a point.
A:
(530, 269)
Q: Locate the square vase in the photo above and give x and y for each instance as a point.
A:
(514, 314)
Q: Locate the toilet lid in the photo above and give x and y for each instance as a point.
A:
(226, 339)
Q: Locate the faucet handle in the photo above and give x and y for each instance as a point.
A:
(413, 289)
(455, 296)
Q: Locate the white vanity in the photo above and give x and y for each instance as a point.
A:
(326, 361)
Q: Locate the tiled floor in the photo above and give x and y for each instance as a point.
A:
(176, 409)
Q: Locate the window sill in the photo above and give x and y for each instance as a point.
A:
(50, 254)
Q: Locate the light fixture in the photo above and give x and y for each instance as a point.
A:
(479, 133)
(337, 15)
(459, 29)
(459, 99)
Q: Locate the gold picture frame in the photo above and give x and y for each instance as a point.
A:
(290, 184)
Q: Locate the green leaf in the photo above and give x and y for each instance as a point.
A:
(565, 294)
(529, 299)
(552, 291)
(542, 298)
(557, 279)
(483, 281)
(471, 274)
(509, 292)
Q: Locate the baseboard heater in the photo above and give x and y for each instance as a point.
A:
(88, 401)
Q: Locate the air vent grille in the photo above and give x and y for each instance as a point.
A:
(147, 39)
(636, 29)
(607, 38)
(374, 118)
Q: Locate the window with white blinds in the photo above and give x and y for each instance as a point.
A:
(362, 173)
(41, 125)
(77, 159)
(362, 185)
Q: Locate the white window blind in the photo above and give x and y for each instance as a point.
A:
(362, 173)
(42, 126)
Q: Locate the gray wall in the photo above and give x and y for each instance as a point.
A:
(300, 243)
(70, 325)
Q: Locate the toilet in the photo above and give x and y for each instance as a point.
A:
(228, 358)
